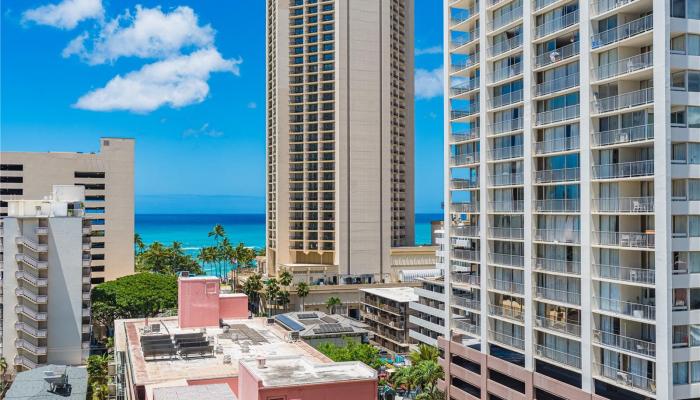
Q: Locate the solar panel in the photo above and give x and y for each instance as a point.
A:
(332, 328)
(289, 323)
(329, 320)
(307, 316)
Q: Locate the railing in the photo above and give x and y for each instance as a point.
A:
(506, 126)
(625, 378)
(558, 235)
(558, 356)
(556, 55)
(381, 306)
(557, 325)
(41, 230)
(503, 153)
(557, 115)
(471, 279)
(625, 66)
(30, 330)
(473, 109)
(467, 326)
(540, 4)
(464, 39)
(459, 183)
(468, 134)
(623, 135)
(504, 19)
(465, 86)
(467, 231)
(636, 310)
(506, 233)
(506, 72)
(35, 315)
(624, 170)
(31, 278)
(507, 98)
(506, 206)
(468, 255)
(507, 286)
(507, 340)
(467, 303)
(505, 45)
(622, 32)
(37, 298)
(512, 260)
(630, 344)
(506, 179)
(624, 239)
(556, 265)
(31, 261)
(556, 24)
(472, 59)
(25, 362)
(557, 205)
(513, 313)
(622, 101)
(37, 247)
(562, 296)
(624, 205)
(465, 207)
(555, 85)
(557, 175)
(27, 346)
(462, 15)
(463, 159)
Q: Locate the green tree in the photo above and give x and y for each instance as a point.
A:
(3, 370)
(207, 255)
(98, 376)
(218, 232)
(332, 303)
(286, 278)
(352, 351)
(260, 252)
(140, 295)
(138, 243)
(403, 377)
(252, 287)
(302, 292)
(283, 299)
(240, 257)
(272, 289)
(427, 373)
(161, 259)
(424, 353)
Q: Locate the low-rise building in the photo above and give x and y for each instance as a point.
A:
(385, 311)
(50, 382)
(427, 316)
(317, 327)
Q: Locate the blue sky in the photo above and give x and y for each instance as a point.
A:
(75, 70)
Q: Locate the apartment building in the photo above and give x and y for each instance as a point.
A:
(386, 311)
(108, 178)
(571, 143)
(46, 280)
(339, 136)
(426, 320)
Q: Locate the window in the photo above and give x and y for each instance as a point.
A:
(97, 245)
(96, 281)
(95, 198)
(688, 44)
(689, 9)
(11, 167)
(11, 192)
(79, 174)
(97, 221)
(98, 268)
(11, 179)
(93, 186)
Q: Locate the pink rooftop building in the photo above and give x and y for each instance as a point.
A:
(201, 303)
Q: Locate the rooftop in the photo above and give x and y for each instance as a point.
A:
(295, 371)
(313, 324)
(398, 294)
(219, 391)
(33, 384)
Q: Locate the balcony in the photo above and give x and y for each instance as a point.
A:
(556, 24)
(624, 239)
(557, 145)
(507, 72)
(504, 153)
(556, 265)
(501, 20)
(465, 302)
(622, 32)
(472, 60)
(624, 135)
(506, 179)
(467, 326)
(514, 206)
(466, 255)
(25, 362)
(30, 330)
(557, 115)
(32, 279)
(507, 286)
(507, 99)
(27, 346)
(473, 109)
(464, 39)
(558, 325)
(558, 356)
(464, 159)
(465, 231)
(513, 313)
(624, 378)
(511, 260)
(557, 175)
(556, 55)
(558, 236)
(459, 16)
(556, 85)
(623, 67)
(540, 4)
(507, 126)
(41, 230)
(507, 340)
(506, 233)
(506, 45)
(467, 278)
(32, 245)
(464, 207)
(615, 205)
(464, 135)
(623, 101)
(462, 184)
(625, 343)
(558, 295)
(31, 314)
(557, 205)
(636, 310)
(36, 298)
(632, 169)
(464, 86)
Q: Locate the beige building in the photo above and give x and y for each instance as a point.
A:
(386, 312)
(108, 178)
(339, 135)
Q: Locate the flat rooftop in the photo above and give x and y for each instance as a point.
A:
(32, 385)
(294, 371)
(398, 294)
(316, 324)
(219, 391)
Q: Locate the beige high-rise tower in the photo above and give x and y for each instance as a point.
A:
(339, 137)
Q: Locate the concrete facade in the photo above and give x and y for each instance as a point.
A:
(386, 311)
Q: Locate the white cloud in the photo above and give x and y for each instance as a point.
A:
(252, 105)
(428, 84)
(204, 130)
(66, 14)
(150, 33)
(176, 82)
(429, 50)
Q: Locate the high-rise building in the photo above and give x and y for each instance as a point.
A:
(339, 136)
(571, 138)
(46, 280)
(108, 178)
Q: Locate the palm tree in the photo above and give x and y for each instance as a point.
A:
(217, 233)
(271, 291)
(100, 391)
(206, 255)
(252, 287)
(283, 298)
(242, 257)
(138, 242)
(332, 303)
(302, 292)
(403, 377)
(3, 370)
(427, 374)
(424, 353)
(286, 278)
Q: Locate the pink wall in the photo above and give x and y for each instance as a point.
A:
(198, 302)
(232, 306)
(232, 382)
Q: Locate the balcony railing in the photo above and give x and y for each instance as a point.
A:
(602, 6)
(506, 179)
(465, 86)
(556, 24)
(25, 362)
(506, 18)
(468, 255)
(630, 344)
(623, 135)
(555, 85)
(471, 110)
(636, 310)
(467, 326)
(36, 298)
(464, 135)
(540, 4)
(464, 159)
(562, 296)
(507, 72)
(465, 207)
(471, 60)
(624, 205)
(556, 55)
(505, 45)
(624, 170)
(623, 101)
(34, 280)
(512, 260)
(561, 357)
(30, 330)
(557, 205)
(506, 99)
(460, 15)
(503, 153)
(514, 206)
(513, 313)
(556, 265)
(35, 315)
(625, 378)
(623, 32)
(557, 175)
(460, 183)
(506, 233)
(507, 286)
(625, 239)
(466, 231)
(27, 346)
(558, 235)
(510, 125)
(32, 245)
(470, 279)
(464, 39)
(467, 302)
(557, 325)
(507, 339)
(557, 115)
(625, 66)
(556, 145)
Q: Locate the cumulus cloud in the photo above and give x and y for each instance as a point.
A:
(175, 82)
(149, 33)
(66, 14)
(429, 50)
(428, 83)
(204, 130)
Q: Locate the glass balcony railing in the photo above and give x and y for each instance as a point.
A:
(602, 6)
(555, 85)
(557, 115)
(625, 239)
(511, 260)
(557, 175)
(556, 265)
(557, 205)
(465, 231)
(558, 325)
(460, 15)
(464, 39)
(559, 295)
(503, 153)
(558, 235)
(636, 310)
(622, 67)
(506, 179)
(507, 99)
(465, 134)
(557, 145)
(556, 24)
(623, 32)
(625, 378)
(506, 206)
(561, 357)
(510, 125)
(540, 4)
(506, 18)
(469, 111)
(623, 205)
(464, 159)
(507, 286)
(467, 302)
(625, 343)
(626, 274)
(505, 45)
(508, 72)
(507, 339)
(512, 313)
(623, 135)
(467, 255)
(465, 86)
(465, 207)
(471, 60)
(470, 279)
(467, 326)
(624, 170)
(556, 55)
(623, 101)
(461, 184)
(506, 233)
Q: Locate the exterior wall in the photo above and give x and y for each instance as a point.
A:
(198, 302)
(231, 382)
(233, 306)
(11, 230)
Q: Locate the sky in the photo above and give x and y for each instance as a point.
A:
(186, 79)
